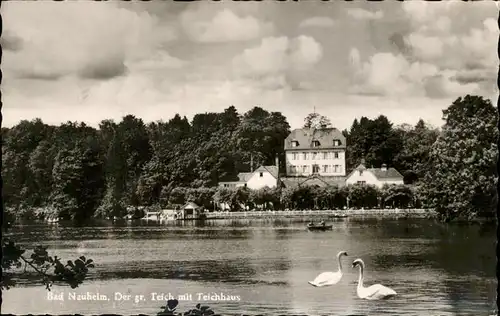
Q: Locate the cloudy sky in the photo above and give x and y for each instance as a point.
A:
(89, 61)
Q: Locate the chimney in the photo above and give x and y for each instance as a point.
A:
(384, 167)
(278, 181)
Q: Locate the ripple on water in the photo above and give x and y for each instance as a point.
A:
(268, 265)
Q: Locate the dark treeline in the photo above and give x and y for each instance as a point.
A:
(77, 171)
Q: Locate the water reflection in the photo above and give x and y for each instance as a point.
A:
(435, 268)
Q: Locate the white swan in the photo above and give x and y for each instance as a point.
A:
(329, 278)
(374, 292)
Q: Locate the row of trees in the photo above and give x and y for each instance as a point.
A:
(76, 171)
(299, 198)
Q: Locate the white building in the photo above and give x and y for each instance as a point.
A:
(262, 177)
(258, 179)
(374, 176)
(241, 182)
(315, 151)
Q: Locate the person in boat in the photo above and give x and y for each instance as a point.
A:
(310, 223)
(322, 223)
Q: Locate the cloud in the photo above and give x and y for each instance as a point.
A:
(426, 47)
(105, 69)
(444, 52)
(74, 44)
(475, 76)
(361, 14)
(354, 58)
(267, 58)
(460, 40)
(277, 59)
(115, 98)
(386, 74)
(318, 21)
(398, 41)
(157, 60)
(305, 52)
(443, 85)
(422, 12)
(160, 61)
(452, 35)
(224, 26)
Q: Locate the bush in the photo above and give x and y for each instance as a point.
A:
(396, 196)
(363, 196)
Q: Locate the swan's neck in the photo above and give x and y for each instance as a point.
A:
(340, 264)
(361, 277)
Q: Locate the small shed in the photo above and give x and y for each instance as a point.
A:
(191, 211)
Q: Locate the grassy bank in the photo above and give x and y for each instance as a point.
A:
(392, 213)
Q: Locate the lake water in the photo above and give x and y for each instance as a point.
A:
(436, 269)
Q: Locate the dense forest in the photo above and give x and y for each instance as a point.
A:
(77, 171)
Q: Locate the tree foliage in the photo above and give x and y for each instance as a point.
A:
(375, 141)
(50, 269)
(307, 197)
(171, 309)
(316, 120)
(462, 179)
(75, 171)
(413, 157)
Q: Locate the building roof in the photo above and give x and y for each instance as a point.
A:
(321, 181)
(273, 170)
(389, 173)
(306, 136)
(379, 173)
(190, 205)
(244, 176)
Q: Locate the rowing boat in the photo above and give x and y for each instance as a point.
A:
(313, 227)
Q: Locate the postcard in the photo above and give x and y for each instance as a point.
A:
(249, 157)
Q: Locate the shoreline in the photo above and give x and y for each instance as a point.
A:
(330, 214)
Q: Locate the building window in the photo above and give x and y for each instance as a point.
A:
(315, 143)
(304, 169)
(314, 155)
(336, 142)
(361, 182)
(315, 168)
(335, 168)
(294, 156)
(325, 168)
(360, 172)
(304, 156)
(336, 154)
(325, 155)
(261, 174)
(245, 185)
(295, 143)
